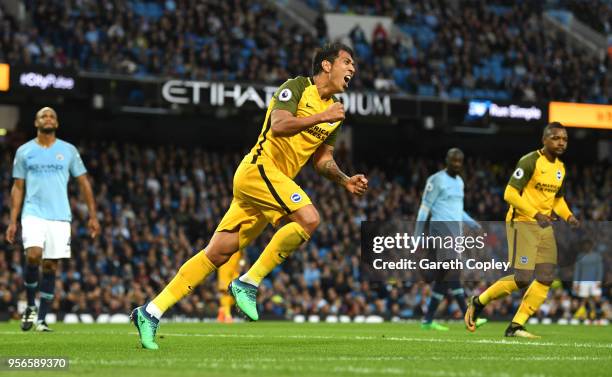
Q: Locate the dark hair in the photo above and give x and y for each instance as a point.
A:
(328, 52)
(551, 126)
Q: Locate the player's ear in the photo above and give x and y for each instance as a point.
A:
(326, 64)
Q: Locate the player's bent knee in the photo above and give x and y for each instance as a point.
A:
(49, 266)
(33, 260)
(546, 282)
(545, 279)
(522, 283)
(34, 255)
(545, 273)
(308, 217)
(522, 278)
(222, 246)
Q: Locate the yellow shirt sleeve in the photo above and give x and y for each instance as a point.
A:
(288, 96)
(513, 197)
(560, 207)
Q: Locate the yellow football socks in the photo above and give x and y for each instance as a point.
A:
(533, 298)
(192, 273)
(283, 243)
(501, 288)
(226, 273)
(226, 301)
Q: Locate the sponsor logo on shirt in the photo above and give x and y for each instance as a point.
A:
(45, 168)
(545, 187)
(318, 132)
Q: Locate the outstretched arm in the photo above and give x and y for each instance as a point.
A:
(325, 165)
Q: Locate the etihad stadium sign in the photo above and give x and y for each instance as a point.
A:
(207, 93)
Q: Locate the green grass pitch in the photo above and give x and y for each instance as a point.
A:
(289, 349)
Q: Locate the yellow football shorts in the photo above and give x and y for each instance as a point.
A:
(529, 244)
(262, 195)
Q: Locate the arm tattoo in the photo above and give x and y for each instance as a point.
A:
(330, 170)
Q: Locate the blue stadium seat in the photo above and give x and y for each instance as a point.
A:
(426, 90)
(456, 93)
(500, 10)
(154, 11)
(503, 95)
(480, 93)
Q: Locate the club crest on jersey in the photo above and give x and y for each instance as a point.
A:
(559, 175)
(518, 173)
(524, 260)
(296, 198)
(285, 95)
(59, 157)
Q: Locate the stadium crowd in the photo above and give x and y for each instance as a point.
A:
(493, 51)
(159, 205)
(597, 13)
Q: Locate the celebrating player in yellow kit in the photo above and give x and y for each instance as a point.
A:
(535, 190)
(301, 122)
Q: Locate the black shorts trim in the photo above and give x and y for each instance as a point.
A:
(272, 190)
(263, 139)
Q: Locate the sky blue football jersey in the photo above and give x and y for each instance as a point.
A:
(46, 172)
(443, 201)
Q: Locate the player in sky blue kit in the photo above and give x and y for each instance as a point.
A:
(41, 170)
(441, 212)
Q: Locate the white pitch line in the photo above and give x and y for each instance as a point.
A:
(407, 339)
(373, 358)
(532, 343)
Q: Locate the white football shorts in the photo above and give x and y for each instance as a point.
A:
(52, 236)
(589, 289)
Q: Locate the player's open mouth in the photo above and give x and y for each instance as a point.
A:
(347, 79)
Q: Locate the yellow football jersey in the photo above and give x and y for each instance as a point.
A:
(289, 153)
(539, 181)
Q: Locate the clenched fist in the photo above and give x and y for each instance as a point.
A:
(333, 113)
